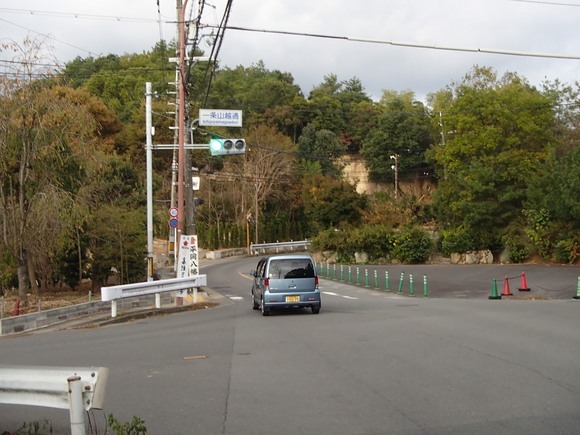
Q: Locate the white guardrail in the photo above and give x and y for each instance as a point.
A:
(76, 389)
(264, 248)
(113, 293)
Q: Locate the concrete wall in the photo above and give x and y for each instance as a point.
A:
(27, 322)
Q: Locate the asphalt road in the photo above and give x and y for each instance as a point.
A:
(372, 361)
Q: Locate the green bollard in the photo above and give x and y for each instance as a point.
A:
(341, 273)
(387, 280)
(400, 291)
(376, 280)
(327, 270)
(334, 271)
(411, 285)
(349, 274)
(366, 278)
(425, 293)
(577, 290)
(357, 275)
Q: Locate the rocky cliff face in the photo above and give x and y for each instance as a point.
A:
(356, 173)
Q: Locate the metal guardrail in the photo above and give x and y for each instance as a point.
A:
(266, 248)
(113, 293)
(72, 388)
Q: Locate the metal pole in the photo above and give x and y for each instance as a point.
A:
(149, 158)
(75, 402)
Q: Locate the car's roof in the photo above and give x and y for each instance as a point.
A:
(288, 257)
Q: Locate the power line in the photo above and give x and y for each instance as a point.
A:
(409, 44)
(81, 16)
(49, 37)
(547, 3)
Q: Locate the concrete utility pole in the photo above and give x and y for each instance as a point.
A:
(181, 121)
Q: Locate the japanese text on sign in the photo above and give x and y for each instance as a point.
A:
(218, 117)
(188, 257)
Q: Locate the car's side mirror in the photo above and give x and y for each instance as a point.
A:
(253, 273)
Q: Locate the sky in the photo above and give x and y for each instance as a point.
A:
(386, 44)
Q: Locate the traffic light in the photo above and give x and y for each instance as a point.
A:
(224, 147)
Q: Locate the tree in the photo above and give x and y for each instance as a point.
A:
(499, 133)
(115, 224)
(331, 203)
(254, 89)
(322, 147)
(44, 134)
(332, 104)
(268, 167)
(403, 129)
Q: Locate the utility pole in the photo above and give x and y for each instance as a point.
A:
(181, 120)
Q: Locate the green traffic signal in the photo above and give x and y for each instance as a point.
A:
(224, 147)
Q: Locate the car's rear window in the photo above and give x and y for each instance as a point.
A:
(297, 268)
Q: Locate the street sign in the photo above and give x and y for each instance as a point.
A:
(173, 223)
(220, 118)
(173, 212)
(195, 183)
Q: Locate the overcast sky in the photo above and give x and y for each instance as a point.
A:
(93, 28)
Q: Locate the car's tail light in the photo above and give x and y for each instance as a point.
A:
(316, 281)
(266, 282)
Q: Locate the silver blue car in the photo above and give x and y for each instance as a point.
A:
(285, 281)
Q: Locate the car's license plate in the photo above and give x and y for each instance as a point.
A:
(292, 298)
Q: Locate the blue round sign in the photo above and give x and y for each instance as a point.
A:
(173, 222)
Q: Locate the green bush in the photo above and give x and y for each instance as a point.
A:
(376, 241)
(457, 240)
(134, 427)
(567, 251)
(515, 242)
(539, 231)
(413, 245)
(328, 240)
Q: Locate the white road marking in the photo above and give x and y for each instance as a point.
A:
(336, 294)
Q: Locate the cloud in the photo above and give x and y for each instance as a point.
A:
(491, 24)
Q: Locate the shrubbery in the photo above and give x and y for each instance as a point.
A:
(412, 245)
(456, 240)
(567, 250)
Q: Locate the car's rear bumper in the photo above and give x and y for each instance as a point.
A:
(288, 300)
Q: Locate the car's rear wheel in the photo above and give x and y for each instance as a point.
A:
(315, 310)
(255, 306)
(265, 311)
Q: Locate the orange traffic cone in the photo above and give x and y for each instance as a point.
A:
(506, 287)
(524, 285)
